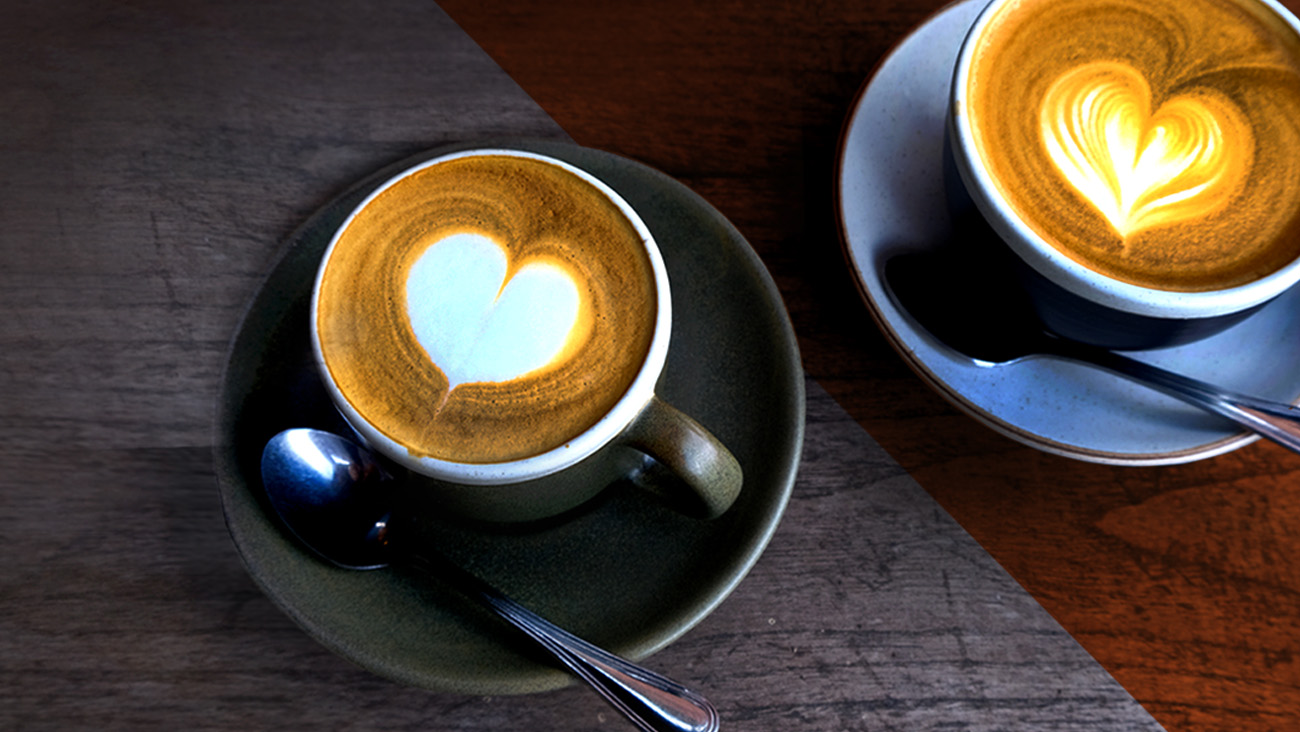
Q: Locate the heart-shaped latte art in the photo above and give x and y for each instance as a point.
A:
(1137, 168)
(476, 326)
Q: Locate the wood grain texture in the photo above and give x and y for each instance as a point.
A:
(155, 154)
(1177, 579)
(127, 608)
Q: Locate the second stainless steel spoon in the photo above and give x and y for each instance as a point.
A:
(956, 303)
(333, 496)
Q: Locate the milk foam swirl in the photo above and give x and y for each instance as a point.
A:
(1156, 141)
(430, 309)
(1142, 170)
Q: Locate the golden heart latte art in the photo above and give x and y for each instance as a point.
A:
(486, 308)
(1155, 141)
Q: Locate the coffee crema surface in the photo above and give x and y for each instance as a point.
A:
(1154, 141)
(486, 309)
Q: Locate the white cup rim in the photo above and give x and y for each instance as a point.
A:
(624, 411)
(1056, 266)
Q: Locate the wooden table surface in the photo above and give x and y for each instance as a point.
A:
(929, 573)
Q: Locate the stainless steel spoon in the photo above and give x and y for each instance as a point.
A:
(991, 325)
(336, 499)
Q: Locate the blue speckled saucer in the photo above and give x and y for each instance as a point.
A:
(621, 571)
(891, 198)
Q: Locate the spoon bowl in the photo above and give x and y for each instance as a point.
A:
(332, 495)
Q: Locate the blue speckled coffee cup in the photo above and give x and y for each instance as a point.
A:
(1070, 298)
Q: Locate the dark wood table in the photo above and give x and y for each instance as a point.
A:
(928, 574)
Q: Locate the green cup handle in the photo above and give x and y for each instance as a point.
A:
(709, 475)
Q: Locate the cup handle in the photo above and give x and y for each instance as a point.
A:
(709, 472)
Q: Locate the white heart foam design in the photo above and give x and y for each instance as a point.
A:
(1142, 168)
(477, 327)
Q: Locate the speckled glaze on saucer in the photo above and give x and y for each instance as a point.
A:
(622, 570)
(890, 195)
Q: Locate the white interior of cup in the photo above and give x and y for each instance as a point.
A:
(597, 436)
(1052, 263)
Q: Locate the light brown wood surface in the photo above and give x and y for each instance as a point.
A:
(155, 155)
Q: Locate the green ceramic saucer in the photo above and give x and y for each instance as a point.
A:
(621, 571)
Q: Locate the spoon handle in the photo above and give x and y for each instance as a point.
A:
(653, 702)
(1277, 421)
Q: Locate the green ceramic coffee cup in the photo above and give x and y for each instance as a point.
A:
(496, 321)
